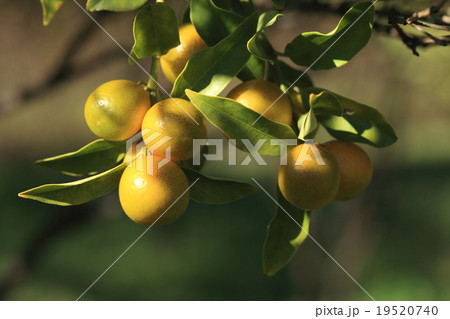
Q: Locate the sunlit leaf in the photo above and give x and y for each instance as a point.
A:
(322, 103)
(259, 45)
(326, 51)
(78, 192)
(114, 5)
(239, 122)
(359, 123)
(90, 159)
(210, 70)
(49, 9)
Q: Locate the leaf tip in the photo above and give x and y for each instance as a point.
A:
(269, 271)
(23, 194)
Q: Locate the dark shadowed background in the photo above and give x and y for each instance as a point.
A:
(394, 240)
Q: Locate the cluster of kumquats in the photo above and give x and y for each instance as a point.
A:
(119, 109)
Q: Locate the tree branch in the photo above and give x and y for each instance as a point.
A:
(395, 17)
(65, 69)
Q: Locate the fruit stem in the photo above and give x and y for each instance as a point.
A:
(152, 81)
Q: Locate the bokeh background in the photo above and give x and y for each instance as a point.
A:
(394, 239)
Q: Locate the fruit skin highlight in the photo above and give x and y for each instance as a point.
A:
(178, 119)
(259, 95)
(114, 111)
(355, 168)
(308, 185)
(174, 61)
(147, 195)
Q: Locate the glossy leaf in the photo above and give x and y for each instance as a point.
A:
(236, 121)
(286, 75)
(78, 192)
(212, 22)
(326, 51)
(114, 5)
(267, 19)
(325, 102)
(284, 235)
(322, 103)
(216, 15)
(49, 9)
(307, 124)
(253, 70)
(88, 160)
(259, 45)
(359, 124)
(155, 31)
(210, 70)
(209, 190)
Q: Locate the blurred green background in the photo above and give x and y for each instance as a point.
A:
(394, 239)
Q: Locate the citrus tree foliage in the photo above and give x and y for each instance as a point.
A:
(237, 46)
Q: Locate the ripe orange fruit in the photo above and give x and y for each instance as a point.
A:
(114, 111)
(174, 61)
(355, 168)
(146, 195)
(178, 119)
(310, 179)
(259, 95)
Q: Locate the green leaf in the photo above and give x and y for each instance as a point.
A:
(307, 124)
(322, 103)
(186, 16)
(279, 4)
(284, 74)
(208, 15)
(236, 121)
(155, 31)
(359, 124)
(49, 9)
(210, 70)
(212, 22)
(253, 70)
(209, 190)
(259, 45)
(88, 160)
(326, 51)
(267, 19)
(114, 5)
(78, 192)
(284, 235)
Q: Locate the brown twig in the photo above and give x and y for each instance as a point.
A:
(395, 17)
(413, 41)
